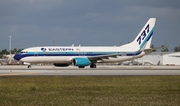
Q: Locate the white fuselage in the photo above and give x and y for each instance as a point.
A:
(64, 54)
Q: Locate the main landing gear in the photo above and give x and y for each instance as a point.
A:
(93, 65)
(29, 66)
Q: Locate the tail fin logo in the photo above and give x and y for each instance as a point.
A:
(143, 34)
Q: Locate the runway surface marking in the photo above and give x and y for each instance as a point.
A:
(101, 70)
(17, 73)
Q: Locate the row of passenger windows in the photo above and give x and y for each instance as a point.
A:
(80, 52)
(23, 52)
(75, 52)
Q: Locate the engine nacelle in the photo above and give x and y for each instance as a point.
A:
(61, 64)
(81, 62)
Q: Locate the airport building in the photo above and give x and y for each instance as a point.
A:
(161, 58)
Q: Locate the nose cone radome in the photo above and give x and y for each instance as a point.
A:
(17, 57)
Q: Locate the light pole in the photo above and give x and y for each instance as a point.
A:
(10, 48)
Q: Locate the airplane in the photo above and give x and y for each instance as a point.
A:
(82, 56)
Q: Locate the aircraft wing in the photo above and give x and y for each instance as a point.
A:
(100, 57)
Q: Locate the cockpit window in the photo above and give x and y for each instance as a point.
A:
(23, 52)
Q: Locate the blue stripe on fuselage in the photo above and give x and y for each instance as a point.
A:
(75, 54)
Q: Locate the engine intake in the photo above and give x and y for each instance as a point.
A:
(81, 62)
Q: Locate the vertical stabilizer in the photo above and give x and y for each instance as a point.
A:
(144, 38)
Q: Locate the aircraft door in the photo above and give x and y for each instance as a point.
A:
(80, 53)
(35, 53)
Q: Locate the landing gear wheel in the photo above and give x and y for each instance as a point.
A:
(29, 66)
(93, 65)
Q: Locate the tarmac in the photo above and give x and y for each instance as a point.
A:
(119, 70)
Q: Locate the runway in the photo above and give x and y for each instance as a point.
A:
(22, 70)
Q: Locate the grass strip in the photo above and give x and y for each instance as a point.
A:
(90, 90)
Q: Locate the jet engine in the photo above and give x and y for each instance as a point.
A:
(81, 62)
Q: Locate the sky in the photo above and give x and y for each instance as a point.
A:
(86, 22)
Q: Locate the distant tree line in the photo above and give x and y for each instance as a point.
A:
(6, 52)
(165, 48)
(177, 49)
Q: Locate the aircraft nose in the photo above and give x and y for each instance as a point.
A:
(17, 57)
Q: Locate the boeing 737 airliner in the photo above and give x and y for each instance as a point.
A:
(63, 56)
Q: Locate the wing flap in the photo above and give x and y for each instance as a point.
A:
(95, 58)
